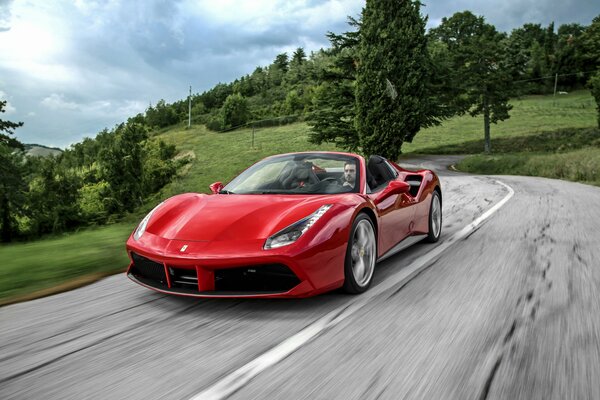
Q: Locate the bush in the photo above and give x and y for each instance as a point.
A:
(214, 123)
(235, 111)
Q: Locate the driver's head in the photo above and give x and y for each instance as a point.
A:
(350, 172)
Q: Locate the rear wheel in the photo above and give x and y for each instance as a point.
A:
(361, 255)
(435, 218)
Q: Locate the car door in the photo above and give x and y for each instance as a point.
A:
(396, 212)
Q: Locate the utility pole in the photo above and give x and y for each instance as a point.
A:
(190, 109)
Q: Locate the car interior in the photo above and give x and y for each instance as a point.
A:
(300, 174)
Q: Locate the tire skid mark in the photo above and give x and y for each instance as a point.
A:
(510, 332)
(490, 379)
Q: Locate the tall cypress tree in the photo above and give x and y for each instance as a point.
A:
(392, 100)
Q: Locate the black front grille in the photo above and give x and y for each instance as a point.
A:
(257, 278)
(184, 278)
(148, 271)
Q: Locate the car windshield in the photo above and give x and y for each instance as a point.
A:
(305, 173)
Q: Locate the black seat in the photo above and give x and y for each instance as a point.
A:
(301, 174)
(377, 172)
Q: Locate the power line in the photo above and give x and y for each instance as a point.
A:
(553, 76)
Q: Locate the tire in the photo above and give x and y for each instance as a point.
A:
(435, 218)
(361, 256)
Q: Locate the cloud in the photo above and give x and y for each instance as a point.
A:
(5, 15)
(58, 102)
(509, 14)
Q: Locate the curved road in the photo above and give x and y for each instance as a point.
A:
(512, 310)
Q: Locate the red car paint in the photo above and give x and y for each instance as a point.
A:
(208, 234)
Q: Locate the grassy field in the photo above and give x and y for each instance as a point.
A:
(530, 116)
(554, 136)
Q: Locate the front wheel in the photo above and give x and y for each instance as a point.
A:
(361, 256)
(435, 218)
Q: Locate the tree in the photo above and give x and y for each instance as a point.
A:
(7, 128)
(565, 55)
(12, 184)
(478, 59)
(215, 97)
(282, 62)
(588, 49)
(335, 100)
(161, 116)
(12, 190)
(52, 197)
(122, 165)
(299, 56)
(235, 111)
(392, 99)
(293, 103)
(594, 84)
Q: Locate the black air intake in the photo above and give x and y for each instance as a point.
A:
(148, 271)
(257, 278)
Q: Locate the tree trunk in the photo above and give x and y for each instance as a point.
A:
(487, 146)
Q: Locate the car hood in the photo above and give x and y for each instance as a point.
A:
(200, 217)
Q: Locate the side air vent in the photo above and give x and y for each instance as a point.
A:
(415, 184)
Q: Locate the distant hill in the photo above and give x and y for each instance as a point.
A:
(38, 150)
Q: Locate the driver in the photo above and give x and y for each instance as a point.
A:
(349, 174)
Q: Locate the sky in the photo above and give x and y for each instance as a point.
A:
(69, 69)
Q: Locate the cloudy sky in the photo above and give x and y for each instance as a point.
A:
(68, 69)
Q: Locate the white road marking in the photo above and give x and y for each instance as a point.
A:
(240, 377)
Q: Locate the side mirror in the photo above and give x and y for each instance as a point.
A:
(216, 187)
(393, 187)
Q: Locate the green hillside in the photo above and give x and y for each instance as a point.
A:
(548, 131)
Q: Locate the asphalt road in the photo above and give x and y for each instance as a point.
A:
(511, 311)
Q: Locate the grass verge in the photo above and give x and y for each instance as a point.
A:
(56, 264)
(581, 165)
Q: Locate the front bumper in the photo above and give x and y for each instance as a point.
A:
(208, 270)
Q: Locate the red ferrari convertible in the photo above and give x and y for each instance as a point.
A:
(291, 225)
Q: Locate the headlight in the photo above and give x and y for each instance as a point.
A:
(142, 226)
(290, 234)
